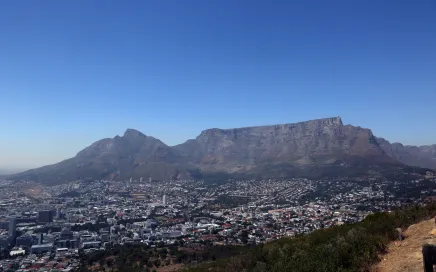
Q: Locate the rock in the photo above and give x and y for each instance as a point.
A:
(316, 148)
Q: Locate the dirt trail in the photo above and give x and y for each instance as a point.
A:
(406, 256)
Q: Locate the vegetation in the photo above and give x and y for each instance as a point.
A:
(345, 248)
(139, 257)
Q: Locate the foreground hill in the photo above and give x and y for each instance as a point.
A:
(406, 255)
(354, 247)
(316, 148)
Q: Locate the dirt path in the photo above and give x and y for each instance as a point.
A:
(406, 256)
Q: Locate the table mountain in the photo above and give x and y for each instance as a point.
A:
(313, 148)
(323, 141)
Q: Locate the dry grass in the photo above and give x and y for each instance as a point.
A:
(406, 256)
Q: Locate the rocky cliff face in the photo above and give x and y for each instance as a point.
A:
(316, 142)
(421, 156)
(299, 149)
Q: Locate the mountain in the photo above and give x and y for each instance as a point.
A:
(315, 143)
(316, 148)
(421, 156)
(132, 155)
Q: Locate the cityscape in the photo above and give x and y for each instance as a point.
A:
(49, 228)
(217, 136)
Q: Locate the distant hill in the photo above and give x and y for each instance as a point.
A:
(132, 155)
(316, 148)
(421, 156)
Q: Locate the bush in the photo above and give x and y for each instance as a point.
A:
(345, 248)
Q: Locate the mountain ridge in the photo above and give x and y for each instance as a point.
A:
(313, 147)
(421, 156)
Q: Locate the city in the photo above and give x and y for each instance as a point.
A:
(50, 228)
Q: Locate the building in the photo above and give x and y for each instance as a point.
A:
(4, 241)
(17, 252)
(58, 213)
(105, 237)
(4, 225)
(62, 243)
(149, 179)
(40, 238)
(12, 232)
(164, 199)
(45, 216)
(74, 244)
(92, 244)
(140, 179)
(38, 249)
(24, 241)
(131, 179)
(66, 234)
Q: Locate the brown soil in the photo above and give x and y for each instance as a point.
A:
(34, 191)
(406, 256)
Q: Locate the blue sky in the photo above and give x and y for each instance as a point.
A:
(73, 72)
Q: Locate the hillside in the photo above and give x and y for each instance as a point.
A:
(312, 143)
(133, 154)
(421, 156)
(406, 256)
(355, 247)
(316, 148)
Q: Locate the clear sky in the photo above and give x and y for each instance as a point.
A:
(73, 72)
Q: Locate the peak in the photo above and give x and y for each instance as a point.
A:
(130, 132)
(337, 120)
(324, 121)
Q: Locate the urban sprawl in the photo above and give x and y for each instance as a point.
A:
(46, 228)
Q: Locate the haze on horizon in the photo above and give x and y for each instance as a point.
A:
(76, 72)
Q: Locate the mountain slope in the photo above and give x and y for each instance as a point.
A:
(406, 255)
(132, 155)
(421, 156)
(316, 148)
(312, 143)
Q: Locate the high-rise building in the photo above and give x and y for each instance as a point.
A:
(40, 238)
(66, 234)
(58, 213)
(12, 233)
(131, 179)
(45, 216)
(149, 179)
(140, 179)
(24, 241)
(164, 199)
